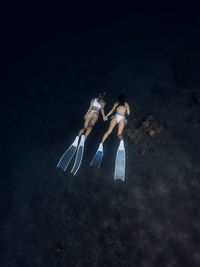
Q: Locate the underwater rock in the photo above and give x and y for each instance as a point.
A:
(146, 127)
(152, 132)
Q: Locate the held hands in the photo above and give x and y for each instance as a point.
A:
(105, 118)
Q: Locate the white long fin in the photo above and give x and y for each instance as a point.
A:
(79, 155)
(120, 162)
(68, 155)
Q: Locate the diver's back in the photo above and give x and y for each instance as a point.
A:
(121, 110)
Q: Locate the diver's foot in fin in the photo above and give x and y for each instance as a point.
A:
(120, 162)
(79, 155)
(68, 155)
(96, 161)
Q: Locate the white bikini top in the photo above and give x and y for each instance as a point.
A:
(96, 104)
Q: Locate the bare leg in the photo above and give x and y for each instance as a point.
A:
(86, 123)
(120, 129)
(110, 129)
(91, 124)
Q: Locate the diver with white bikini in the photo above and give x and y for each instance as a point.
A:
(91, 117)
(122, 108)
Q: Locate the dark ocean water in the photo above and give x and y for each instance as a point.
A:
(54, 67)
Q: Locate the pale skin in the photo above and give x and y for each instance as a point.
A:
(121, 110)
(92, 117)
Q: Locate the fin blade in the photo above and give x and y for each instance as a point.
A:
(120, 163)
(68, 155)
(96, 161)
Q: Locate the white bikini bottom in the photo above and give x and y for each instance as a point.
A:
(119, 118)
(94, 111)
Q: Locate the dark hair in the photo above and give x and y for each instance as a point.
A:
(121, 99)
(101, 93)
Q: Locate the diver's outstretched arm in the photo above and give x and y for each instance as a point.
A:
(102, 112)
(128, 109)
(112, 110)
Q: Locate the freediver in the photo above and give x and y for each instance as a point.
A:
(91, 118)
(92, 115)
(122, 108)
